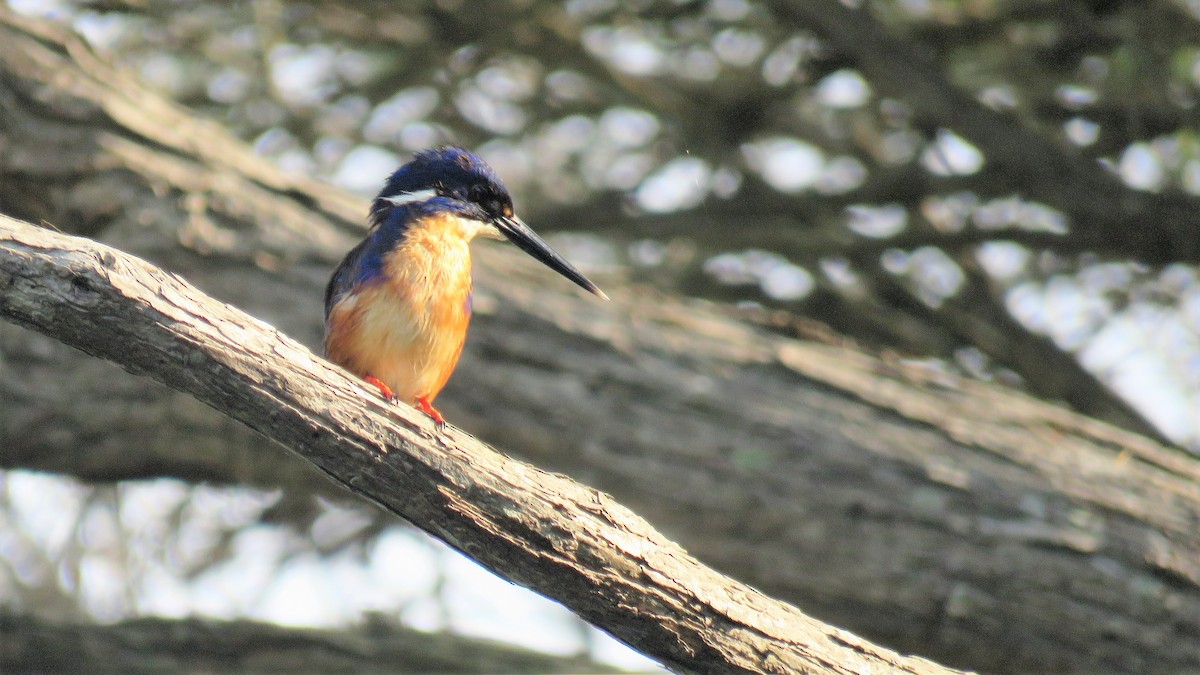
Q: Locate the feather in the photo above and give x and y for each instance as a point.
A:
(401, 315)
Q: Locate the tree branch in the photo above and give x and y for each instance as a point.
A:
(941, 516)
(162, 646)
(540, 530)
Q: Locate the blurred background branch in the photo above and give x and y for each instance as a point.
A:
(150, 645)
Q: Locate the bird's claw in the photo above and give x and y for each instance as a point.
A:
(426, 407)
(422, 403)
(384, 390)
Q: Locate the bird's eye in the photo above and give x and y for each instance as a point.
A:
(478, 194)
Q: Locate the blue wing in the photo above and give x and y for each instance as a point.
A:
(361, 264)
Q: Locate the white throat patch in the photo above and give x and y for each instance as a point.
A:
(412, 197)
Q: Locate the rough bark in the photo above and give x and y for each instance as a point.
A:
(163, 646)
(541, 530)
(941, 516)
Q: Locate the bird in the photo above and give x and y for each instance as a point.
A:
(398, 305)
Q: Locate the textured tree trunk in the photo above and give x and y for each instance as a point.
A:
(945, 517)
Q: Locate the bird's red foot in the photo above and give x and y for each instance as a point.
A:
(426, 407)
(384, 390)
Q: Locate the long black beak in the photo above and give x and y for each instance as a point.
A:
(528, 240)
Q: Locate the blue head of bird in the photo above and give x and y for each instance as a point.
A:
(457, 182)
(397, 307)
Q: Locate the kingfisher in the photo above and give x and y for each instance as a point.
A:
(398, 305)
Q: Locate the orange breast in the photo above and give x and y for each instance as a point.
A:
(408, 328)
